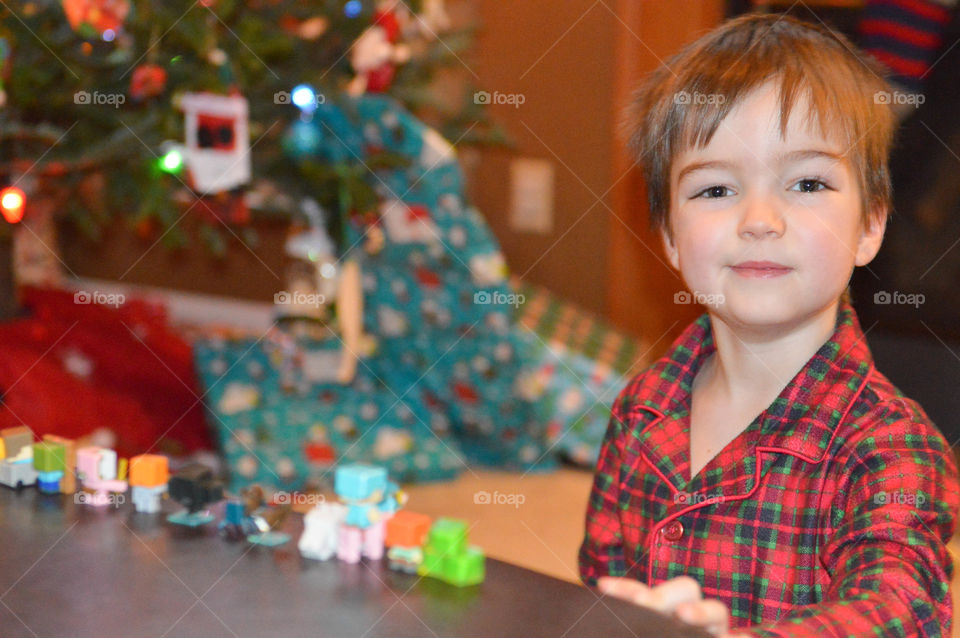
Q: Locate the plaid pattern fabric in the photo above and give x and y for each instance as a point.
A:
(828, 516)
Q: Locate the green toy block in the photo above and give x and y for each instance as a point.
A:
(447, 557)
(432, 564)
(466, 568)
(49, 457)
(448, 536)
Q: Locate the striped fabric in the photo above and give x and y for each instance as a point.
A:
(905, 35)
(828, 516)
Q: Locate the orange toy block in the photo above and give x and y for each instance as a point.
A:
(407, 529)
(149, 470)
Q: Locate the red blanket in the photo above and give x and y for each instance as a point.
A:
(71, 368)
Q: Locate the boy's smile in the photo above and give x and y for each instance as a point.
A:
(770, 226)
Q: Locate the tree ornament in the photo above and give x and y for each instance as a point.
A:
(98, 15)
(218, 141)
(148, 80)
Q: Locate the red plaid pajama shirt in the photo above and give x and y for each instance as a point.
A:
(828, 516)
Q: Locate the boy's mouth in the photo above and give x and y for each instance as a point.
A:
(760, 269)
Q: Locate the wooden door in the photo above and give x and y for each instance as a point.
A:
(641, 284)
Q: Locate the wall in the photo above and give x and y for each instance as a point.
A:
(559, 56)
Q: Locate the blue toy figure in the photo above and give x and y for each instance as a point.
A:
(370, 499)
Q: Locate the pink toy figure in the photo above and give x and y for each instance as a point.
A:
(97, 471)
(356, 542)
(370, 499)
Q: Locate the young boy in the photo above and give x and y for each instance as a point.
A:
(763, 474)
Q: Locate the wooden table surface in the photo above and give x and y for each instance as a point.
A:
(72, 570)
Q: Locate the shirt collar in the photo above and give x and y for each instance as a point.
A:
(800, 421)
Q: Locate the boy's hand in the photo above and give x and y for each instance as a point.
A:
(680, 597)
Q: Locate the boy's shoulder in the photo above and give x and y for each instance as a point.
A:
(883, 415)
(880, 414)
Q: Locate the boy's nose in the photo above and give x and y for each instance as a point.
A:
(761, 217)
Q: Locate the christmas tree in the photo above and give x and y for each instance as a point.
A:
(147, 109)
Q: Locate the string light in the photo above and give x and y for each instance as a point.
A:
(172, 161)
(12, 203)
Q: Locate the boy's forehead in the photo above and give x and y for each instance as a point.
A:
(752, 129)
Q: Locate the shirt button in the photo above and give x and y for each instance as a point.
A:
(673, 531)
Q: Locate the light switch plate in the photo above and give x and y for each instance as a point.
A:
(531, 195)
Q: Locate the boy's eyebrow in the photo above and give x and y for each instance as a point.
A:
(783, 158)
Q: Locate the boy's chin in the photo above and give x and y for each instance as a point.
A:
(761, 312)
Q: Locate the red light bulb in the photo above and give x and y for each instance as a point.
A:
(12, 202)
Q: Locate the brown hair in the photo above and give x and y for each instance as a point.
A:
(845, 89)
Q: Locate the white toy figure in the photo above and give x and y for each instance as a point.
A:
(321, 531)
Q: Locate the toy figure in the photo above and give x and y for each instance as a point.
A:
(250, 517)
(406, 532)
(100, 476)
(195, 488)
(68, 482)
(49, 460)
(370, 499)
(321, 530)
(149, 474)
(16, 457)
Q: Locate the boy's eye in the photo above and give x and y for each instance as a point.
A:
(810, 185)
(712, 192)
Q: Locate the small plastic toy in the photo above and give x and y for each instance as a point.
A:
(194, 487)
(370, 499)
(321, 530)
(16, 452)
(99, 474)
(49, 460)
(68, 482)
(251, 517)
(447, 557)
(149, 474)
(406, 532)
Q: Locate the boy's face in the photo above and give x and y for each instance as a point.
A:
(790, 206)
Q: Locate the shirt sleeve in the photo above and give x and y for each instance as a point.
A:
(601, 553)
(891, 514)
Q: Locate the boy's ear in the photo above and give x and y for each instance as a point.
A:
(871, 236)
(670, 249)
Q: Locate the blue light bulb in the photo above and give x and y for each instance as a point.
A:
(304, 97)
(353, 8)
